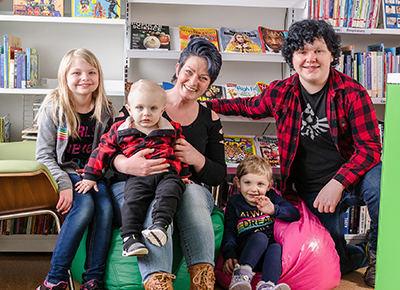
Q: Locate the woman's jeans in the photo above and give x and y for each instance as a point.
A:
(193, 220)
(367, 192)
(92, 211)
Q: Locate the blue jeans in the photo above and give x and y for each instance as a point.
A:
(193, 219)
(367, 192)
(262, 255)
(92, 211)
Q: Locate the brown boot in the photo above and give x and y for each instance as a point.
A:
(160, 281)
(201, 277)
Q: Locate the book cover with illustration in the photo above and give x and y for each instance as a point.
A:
(391, 14)
(51, 8)
(149, 36)
(267, 147)
(188, 33)
(237, 148)
(240, 91)
(271, 39)
(5, 130)
(261, 87)
(240, 40)
(106, 9)
(213, 92)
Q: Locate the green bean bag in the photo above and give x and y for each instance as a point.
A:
(122, 273)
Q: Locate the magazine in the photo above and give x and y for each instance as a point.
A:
(237, 148)
(267, 147)
(271, 39)
(240, 91)
(240, 40)
(391, 14)
(110, 9)
(188, 33)
(213, 92)
(149, 36)
(38, 8)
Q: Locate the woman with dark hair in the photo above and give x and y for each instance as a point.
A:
(203, 150)
(328, 137)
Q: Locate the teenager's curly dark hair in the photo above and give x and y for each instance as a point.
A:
(306, 31)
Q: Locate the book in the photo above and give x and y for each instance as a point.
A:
(2, 70)
(390, 14)
(348, 53)
(240, 91)
(9, 41)
(261, 87)
(213, 92)
(149, 36)
(237, 148)
(271, 40)
(240, 40)
(346, 221)
(5, 128)
(188, 33)
(363, 216)
(267, 147)
(103, 9)
(32, 69)
(48, 8)
(380, 51)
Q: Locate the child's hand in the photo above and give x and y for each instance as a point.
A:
(229, 266)
(85, 185)
(64, 203)
(187, 181)
(265, 205)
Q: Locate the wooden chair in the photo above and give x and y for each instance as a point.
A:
(27, 187)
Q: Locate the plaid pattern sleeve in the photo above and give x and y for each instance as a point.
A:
(351, 117)
(355, 130)
(100, 157)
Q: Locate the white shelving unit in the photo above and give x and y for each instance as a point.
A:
(244, 69)
(53, 37)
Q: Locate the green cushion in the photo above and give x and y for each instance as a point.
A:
(19, 157)
(123, 273)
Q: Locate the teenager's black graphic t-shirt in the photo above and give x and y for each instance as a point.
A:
(317, 158)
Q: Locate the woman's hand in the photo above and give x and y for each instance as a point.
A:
(229, 266)
(64, 203)
(139, 165)
(188, 154)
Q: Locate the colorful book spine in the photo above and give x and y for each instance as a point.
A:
(6, 61)
(2, 70)
(346, 221)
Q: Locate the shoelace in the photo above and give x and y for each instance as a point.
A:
(163, 279)
(204, 278)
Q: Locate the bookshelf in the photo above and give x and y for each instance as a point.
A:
(53, 37)
(109, 40)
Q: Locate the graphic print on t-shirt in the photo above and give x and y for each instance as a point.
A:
(311, 125)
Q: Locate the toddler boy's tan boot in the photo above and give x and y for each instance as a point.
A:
(202, 277)
(160, 281)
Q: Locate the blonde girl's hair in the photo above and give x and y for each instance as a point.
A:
(256, 165)
(61, 98)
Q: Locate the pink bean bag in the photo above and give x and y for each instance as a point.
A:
(309, 258)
